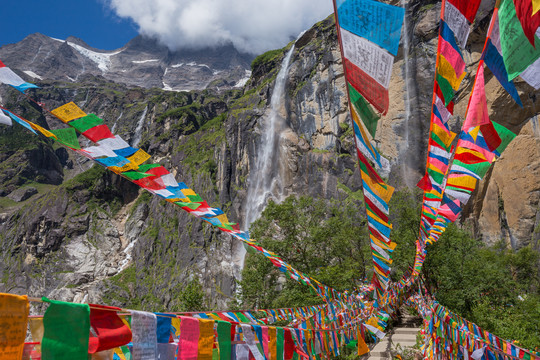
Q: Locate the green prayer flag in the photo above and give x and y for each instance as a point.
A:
(517, 51)
(243, 317)
(195, 198)
(135, 175)
(224, 340)
(280, 343)
(146, 167)
(68, 137)
(437, 176)
(85, 123)
(446, 89)
(67, 330)
(506, 136)
(479, 169)
(367, 114)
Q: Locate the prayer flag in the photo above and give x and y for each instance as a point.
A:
(13, 322)
(68, 112)
(7, 76)
(517, 51)
(189, 338)
(144, 328)
(67, 331)
(375, 21)
(477, 114)
(110, 329)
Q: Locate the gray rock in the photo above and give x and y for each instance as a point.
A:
(22, 194)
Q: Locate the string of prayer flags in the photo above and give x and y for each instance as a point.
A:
(8, 77)
(144, 329)
(517, 51)
(459, 15)
(369, 33)
(13, 323)
(67, 331)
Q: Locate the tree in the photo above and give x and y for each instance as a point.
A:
(326, 239)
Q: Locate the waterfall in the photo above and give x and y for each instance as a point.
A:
(116, 122)
(264, 179)
(138, 129)
(407, 99)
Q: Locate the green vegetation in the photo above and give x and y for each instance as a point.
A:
(324, 239)
(266, 57)
(494, 287)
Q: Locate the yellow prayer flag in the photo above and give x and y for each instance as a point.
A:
(465, 181)
(206, 339)
(272, 347)
(446, 70)
(362, 346)
(68, 112)
(175, 322)
(446, 136)
(121, 169)
(536, 6)
(13, 322)
(474, 132)
(42, 130)
(223, 219)
(188, 192)
(119, 353)
(184, 200)
(385, 194)
(382, 244)
(139, 157)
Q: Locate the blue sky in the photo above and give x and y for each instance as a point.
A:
(90, 20)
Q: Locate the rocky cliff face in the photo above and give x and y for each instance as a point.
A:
(90, 235)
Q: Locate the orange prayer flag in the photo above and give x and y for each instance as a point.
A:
(13, 322)
(206, 339)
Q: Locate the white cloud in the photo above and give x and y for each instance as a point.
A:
(251, 25)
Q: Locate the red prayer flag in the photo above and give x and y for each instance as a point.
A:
(467, 7)
(110, 329)
(529, 22)
(97, 133)
(425, 183)
(491, 136)
(374, 92)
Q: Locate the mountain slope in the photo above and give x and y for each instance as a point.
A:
(141, 62)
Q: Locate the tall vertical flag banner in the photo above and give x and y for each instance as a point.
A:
(369, 32)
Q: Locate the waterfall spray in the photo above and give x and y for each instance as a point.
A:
(407, 99)
(265, 179)
(138, 129)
